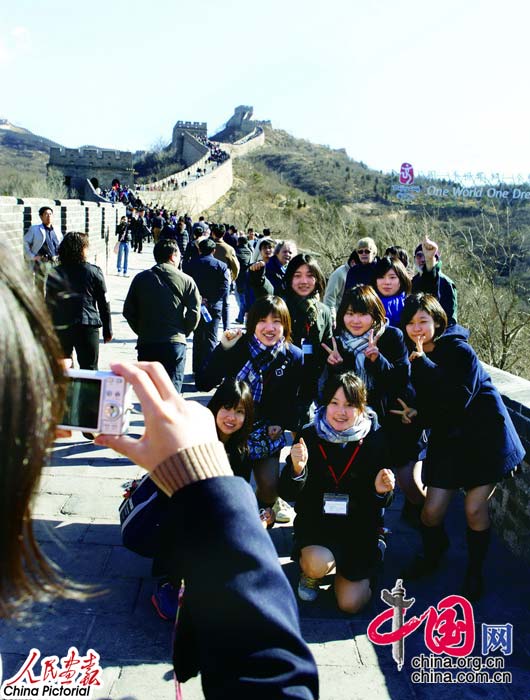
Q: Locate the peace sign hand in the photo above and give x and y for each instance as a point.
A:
(407, 414)
(372, 351)
(334, 357)
(419, 352)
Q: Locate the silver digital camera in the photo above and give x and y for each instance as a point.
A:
(97, 402)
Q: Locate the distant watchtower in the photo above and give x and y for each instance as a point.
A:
(98, 165)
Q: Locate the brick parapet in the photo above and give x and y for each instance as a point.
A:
(99, 220)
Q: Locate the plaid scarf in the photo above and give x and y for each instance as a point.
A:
(356, 345)
(261, 358)
(365, 422)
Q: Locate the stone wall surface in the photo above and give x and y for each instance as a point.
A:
(99, 220)
(198, 195)
(510, 504)
(239, 149)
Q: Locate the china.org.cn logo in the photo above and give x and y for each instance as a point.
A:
(71, 676)
(449, 635)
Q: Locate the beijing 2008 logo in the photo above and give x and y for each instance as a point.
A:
(406, 189)
(406, 174)
(449, 635)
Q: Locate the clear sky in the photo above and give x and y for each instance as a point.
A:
(442, 85)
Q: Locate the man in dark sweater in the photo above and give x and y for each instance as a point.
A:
(213, 280)
(163, 307)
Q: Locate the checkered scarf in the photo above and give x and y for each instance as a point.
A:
(261, 358)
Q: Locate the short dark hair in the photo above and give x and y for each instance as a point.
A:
(206, 246)
(230, 394)
(353, 386)
(266, 242)
(364, 300)
(312, 264)
(164, 249)
(264, 306)
(72, 248)
(43, 209)
(387, 263)
(427, 303)
(395, 251)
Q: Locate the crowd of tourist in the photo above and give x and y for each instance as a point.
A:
(297, 336)
(366, 376)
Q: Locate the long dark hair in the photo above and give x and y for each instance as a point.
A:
(312, 264)
(32, 390)
(230, 394)
(72, 248)
(387, 263)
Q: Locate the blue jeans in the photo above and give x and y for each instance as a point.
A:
(171, 355)
(123, 254)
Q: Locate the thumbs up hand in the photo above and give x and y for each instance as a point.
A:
(384, 481)
(299, 456)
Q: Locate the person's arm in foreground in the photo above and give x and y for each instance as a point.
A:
(242, 607)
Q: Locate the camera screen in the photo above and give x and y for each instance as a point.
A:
(82, 403)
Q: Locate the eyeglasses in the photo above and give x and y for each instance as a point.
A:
(364, 251)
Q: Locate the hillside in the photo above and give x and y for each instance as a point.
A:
(320, 170)
(22, 151)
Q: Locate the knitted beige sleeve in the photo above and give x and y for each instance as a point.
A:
(191, 464)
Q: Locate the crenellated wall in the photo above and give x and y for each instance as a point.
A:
(98, 219)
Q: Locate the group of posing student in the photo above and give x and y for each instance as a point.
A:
(393, 391)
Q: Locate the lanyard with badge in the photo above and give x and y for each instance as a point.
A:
(337, 503)
(307, 346)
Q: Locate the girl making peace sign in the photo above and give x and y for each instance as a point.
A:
(376, 352)
(472, 444)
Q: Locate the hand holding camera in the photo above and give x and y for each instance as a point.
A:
(171, 423)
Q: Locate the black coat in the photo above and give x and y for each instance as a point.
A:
(280, 403)
(365, 505)
(242, 632)
(76, 295)
(212, 277)
(472, 439)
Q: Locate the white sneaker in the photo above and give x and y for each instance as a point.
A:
(283, 511)
(308, 588)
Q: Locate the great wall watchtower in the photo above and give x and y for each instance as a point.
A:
(189, 141)
(98, 165)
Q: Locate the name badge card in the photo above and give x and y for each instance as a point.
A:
(336, 503)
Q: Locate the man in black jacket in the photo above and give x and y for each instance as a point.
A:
(213, 280)
(163, 307)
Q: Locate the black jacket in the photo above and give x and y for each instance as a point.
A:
(243, 632)
(162, 305)
(76, 294)
(280, 403)
(212, 278)
(358, 483)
